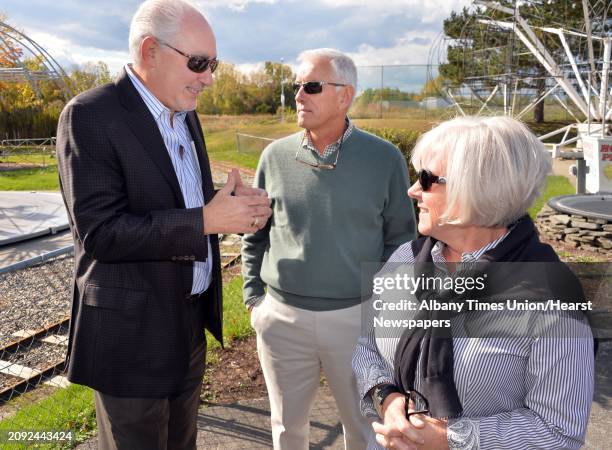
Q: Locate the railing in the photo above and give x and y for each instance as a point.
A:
(40, 142)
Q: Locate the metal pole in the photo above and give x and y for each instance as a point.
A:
(382, 84)
(37, 259)
(589, 32)
(580, 176)
(589, 108)
(282, 98)
(603, 100)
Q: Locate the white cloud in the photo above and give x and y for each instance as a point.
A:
(412, 48)
(249, 68)
(67, 54)
(430, 11)
(236, 5)
(248, 31)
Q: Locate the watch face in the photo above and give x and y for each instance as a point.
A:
(378, 394)
(380, 397)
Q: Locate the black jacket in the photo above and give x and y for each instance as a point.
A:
(135, 243)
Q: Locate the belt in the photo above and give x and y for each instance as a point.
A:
(194, 297)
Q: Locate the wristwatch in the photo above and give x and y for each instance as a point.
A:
(380, 393)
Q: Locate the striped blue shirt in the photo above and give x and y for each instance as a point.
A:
(536, 393)
(182, 151)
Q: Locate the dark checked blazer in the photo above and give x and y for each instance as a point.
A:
(134, 245)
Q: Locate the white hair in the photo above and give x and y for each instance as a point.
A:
(495, 168)
(343, 67)
(158, 18)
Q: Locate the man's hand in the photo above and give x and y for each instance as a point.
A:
(226, 213)
(240, 190)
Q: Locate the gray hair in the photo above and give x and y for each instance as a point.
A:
(343, 67)
(159, 18)
(495, 168)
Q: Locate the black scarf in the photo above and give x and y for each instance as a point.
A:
(521, 245)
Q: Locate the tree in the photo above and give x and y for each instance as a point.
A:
(89, 75)
(236, 93)
(28, 110)
(9, 53)
(432, 87)
(484, 55)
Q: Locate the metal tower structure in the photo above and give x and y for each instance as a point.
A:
(512, 56)
(15, 49)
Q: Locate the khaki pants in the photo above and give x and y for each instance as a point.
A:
(293, 344)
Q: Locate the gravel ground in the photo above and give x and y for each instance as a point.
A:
(39, 296)
(35, 297)
(220, 170)
(38, 355)
(7, 380)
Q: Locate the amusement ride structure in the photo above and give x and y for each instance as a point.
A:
(512, 57)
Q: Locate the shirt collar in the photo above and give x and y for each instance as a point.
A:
(467, 257)
(334, 145)
(159, 111)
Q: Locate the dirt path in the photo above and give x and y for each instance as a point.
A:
(220, 170)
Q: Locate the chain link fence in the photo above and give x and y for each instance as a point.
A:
(412, 91)
(38, 407)
(17, 154)
(246, 143)
(397, 91)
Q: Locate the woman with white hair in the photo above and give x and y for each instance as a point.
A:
(498, 385)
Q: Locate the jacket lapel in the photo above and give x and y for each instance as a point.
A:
(144, 127)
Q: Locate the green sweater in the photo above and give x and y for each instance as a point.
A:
(326, 223)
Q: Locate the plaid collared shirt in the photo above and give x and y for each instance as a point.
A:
(331, 148)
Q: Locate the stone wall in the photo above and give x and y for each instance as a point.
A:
(578, 231)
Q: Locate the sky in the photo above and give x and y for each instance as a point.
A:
(249, 32)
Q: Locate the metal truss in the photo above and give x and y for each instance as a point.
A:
(13, 45)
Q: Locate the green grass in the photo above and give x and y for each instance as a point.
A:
(555, 185)
(569, 256)
(45, 160)
(73, 408)
(221, 136)
(236, 319)
(221, 133)
(43, 179)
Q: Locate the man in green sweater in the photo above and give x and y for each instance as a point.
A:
(339, 200)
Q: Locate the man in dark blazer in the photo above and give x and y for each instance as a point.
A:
(136, 182)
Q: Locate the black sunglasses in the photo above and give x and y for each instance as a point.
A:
(313, 87)
(426, 179)
(196, 63)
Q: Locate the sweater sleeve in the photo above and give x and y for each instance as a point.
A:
(399, 222)
(253, 249)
